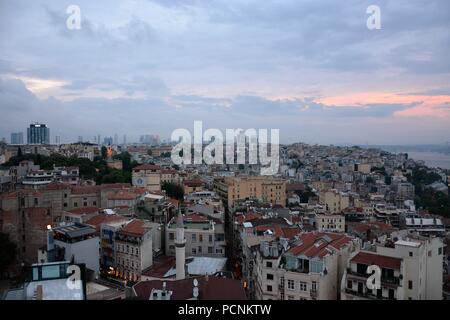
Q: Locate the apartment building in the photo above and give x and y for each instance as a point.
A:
(309, 269)
(80, 243)
(205, 236)
(265, 188)
(411, 269)
(27, 212)
(334, 200)
(134, 250)
(330, 222)
(148, 176)
(170, 176)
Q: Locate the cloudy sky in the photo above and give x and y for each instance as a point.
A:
(310, 68)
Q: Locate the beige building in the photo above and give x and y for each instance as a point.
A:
(334, 200)
(134, 250)
(147, 176)
(330, 222)
(170, 176)
(264, 188)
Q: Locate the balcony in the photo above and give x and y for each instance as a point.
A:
(395, 281)
(366, 295)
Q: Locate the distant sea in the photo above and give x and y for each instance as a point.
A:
(433, 155)
(431, 159)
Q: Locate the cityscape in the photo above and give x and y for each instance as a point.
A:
(206, 151)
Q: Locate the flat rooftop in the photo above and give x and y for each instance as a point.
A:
(74, 230)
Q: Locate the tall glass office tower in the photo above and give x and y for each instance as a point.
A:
(38, 134)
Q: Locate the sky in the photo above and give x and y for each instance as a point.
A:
(310, 68)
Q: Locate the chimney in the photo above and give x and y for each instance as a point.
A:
(39, 292)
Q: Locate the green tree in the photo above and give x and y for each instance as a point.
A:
(104, 152)
(173, 190)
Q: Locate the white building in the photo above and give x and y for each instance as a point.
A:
(412, 269)
(80, 243)
(311, 269)
(205, 236)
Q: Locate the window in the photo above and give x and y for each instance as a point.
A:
(200, 237)
(75, 204)
(440, 251)
(410, 285)
(94, 203)
(194, 251)
(269, 264)
(194, 237)
(314, 286)
(35, 201)
(269, 288)
(171, 236)
(210, 250)
(199, 249)
(85, 204)
(291, 285)
(65, 204)
(303, 286)
(210, 238)
(410, 254)
(269, 276)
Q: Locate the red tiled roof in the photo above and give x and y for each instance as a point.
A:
(114, 186)
(85, 189)
(147, 167)
(248, 217)
(315, 244)
(56, 186)
(295, 187)
(86, 210)
(98, 220)
(167, 171)
(123, 195)
(195, 217)
(134, 228)
(369, 258)
(193, 183)
(161, 265)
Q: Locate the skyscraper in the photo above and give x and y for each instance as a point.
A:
(38, 133)
(17, 138)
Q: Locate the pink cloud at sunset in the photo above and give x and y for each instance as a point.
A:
(421, 105)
